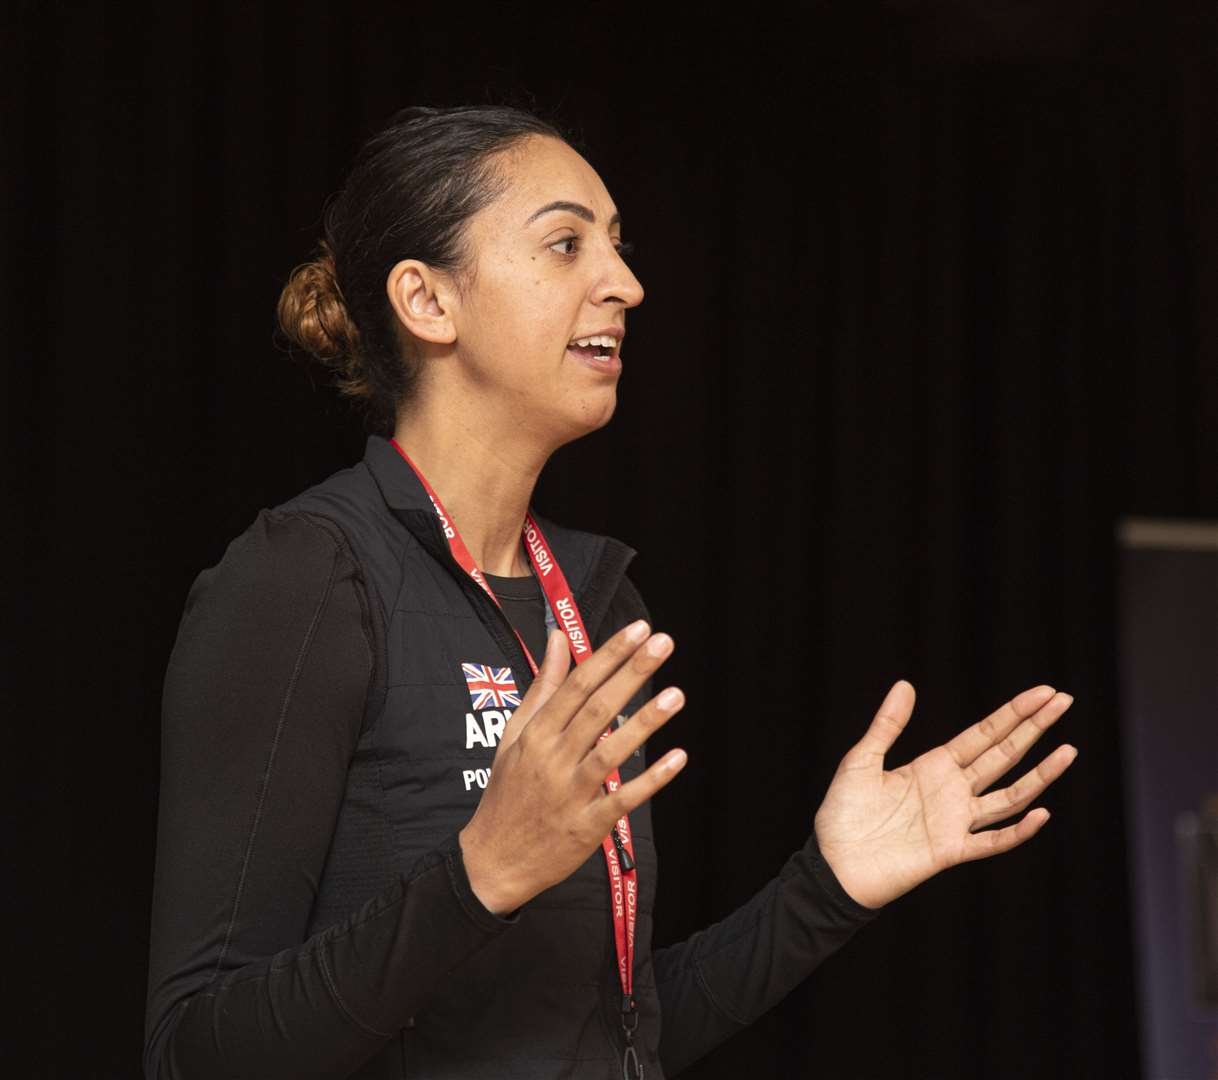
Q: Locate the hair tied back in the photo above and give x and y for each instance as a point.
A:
(314, 315)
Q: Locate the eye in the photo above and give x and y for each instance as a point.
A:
(623, 248)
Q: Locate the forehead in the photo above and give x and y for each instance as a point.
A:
(541, 170)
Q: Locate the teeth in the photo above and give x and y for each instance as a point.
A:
(597, 339)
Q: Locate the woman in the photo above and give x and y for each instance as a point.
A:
(385, 848)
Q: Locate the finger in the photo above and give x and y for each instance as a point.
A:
(1011, 800)
(549, 677)
(974, 741)
(603, 706)
(982, 845)
(554, 667)
(588, 676)
(608, 808)
(999, 759)
(890, 719)
(610, 752)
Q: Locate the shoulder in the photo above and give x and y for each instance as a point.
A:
(595, 565)
(286, 593)
(324, 529)
(629, 600)
(284, 557)
(313, 524)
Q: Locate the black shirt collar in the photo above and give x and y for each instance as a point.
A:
(593, 564)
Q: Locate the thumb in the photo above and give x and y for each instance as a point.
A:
(549, 677)
(553, 670)
(890, 720)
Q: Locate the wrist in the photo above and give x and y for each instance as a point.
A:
(487, 880)
(851, 879)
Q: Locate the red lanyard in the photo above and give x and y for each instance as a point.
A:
(623, 882)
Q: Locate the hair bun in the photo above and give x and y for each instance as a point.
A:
(313, 314)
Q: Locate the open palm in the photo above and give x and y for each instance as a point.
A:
(883, 832)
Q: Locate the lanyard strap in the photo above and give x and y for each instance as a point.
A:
(618, 846)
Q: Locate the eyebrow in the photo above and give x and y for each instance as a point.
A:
(578, 209)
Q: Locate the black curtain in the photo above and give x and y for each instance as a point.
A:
(932, 301)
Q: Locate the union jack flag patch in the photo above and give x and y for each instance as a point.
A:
(491, 687)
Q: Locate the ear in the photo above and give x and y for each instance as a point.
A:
(424, 301)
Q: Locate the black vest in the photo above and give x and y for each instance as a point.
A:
(543, 998)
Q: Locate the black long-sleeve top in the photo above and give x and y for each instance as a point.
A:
(263, 699)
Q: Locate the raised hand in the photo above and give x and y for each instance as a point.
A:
(543, 811)
(883, 832)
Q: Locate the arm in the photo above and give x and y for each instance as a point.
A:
(877, 834)
(264, 698)
(726, 976)
(723, 978)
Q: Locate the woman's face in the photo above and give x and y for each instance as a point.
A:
(548, 272)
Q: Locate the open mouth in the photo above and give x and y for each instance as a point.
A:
(600, 351)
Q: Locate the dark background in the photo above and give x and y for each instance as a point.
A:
(932, 301)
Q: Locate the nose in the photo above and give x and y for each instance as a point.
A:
(618, 282)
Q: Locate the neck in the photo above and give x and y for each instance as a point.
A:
(483, 475)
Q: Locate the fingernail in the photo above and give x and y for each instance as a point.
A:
(637, 631)
(659, 645)
(676, 759)
(669, 699)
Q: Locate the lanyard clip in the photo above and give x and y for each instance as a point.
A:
(632, 1068)
(630, 1016)
(623, 856)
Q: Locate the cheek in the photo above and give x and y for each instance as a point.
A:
(525, 316)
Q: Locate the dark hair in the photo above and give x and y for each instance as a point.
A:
(409, 195)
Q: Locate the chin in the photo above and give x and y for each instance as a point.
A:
(602, 412)
(606, 412)
(590, 414)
